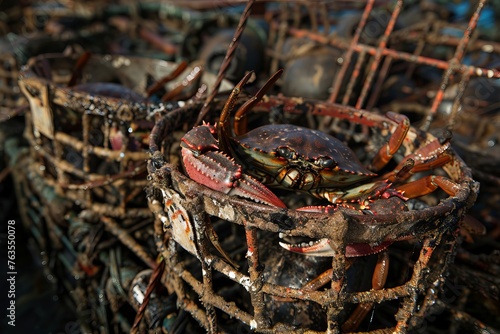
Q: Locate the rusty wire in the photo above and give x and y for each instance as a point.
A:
(451, 67)
(153, 282)
(227, 60)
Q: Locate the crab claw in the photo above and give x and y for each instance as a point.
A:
(322, 248)
(219, 172)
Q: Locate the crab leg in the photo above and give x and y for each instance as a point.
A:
(378, 281)
(224, 127)
(361, 194)
(386, 152)
(432, 155)
(240, 126)
(427, 185)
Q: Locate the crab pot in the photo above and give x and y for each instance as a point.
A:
(82, 261)
(84, 175)
(406, 58)
(89, 140)
(98, 266)
(262, 289)
(50, 243)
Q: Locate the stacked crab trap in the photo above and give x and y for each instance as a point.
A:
(84, 175)
(239, 258)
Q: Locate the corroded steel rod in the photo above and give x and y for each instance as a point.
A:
(396, 55)
(348, 56)
(378, 55)
(454, 64)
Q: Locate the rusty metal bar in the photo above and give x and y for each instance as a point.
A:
(255, 275)
(377, 88)
(454, 63)
(378, 55)
(396, 55)
(227, 60)
(346, 61)
(355, 75)
(405, 312)
(113, 227)
(457, 102)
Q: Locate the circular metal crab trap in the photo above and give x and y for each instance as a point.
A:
(82, 181)
(89, 139)
(225, 266)
(401, 57)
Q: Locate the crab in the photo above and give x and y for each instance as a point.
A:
(302, 159)
(306, 160)
(297, 158)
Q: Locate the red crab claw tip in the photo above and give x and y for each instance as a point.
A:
(249, 187)
(322, 248)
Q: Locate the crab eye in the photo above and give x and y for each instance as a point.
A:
(286, 153)
(325, 162)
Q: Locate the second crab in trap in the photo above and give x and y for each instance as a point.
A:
(353, 212)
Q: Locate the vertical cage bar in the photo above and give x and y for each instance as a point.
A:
(255, 273)
(378, 55)
(348, 56)
(453, 64)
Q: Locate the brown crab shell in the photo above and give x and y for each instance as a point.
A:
(258, 148)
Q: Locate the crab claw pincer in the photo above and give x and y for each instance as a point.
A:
(322, 247)
(214, 169)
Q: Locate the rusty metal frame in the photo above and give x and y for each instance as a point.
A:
(49, 101)
(380, 56)
(11, 98)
